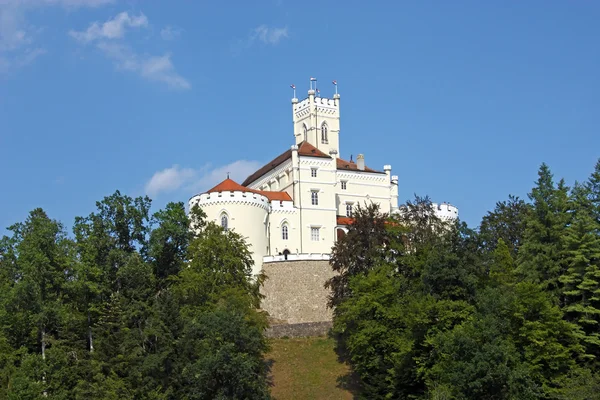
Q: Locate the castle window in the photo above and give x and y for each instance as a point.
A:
(324, 133)
(313, 172)
(314, 197)
(224, 222)
(305, 131)
(344, 185)
(284, 232)
(314, 234)
(348, 209)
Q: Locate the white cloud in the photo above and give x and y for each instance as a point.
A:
(153, 68)
(112, 29)
(168, 180)
(170, 33)
(17, 36)
(269, 35)
(194, 181)
(108, 38)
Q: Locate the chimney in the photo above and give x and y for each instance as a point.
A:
(360, 162)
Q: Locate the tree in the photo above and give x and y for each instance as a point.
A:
(506, 222)
(540, 256)
(358, 251)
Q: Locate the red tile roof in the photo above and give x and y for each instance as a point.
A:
(344, 220)
(308, 150)
(351, 166)
(304, 149)
(229, 185)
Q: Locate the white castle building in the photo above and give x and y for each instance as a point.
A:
(296, 206)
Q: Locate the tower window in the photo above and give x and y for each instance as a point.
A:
(224, 222)
(324, 133)
(284, 232)
(313, 172)
(314, 234)
(344, 185)
(305, 131)
(348, 209)
(314, 197)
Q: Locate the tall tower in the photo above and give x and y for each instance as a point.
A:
(317, 121)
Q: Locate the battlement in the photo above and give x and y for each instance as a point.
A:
(249, 198)
(323, 104)
(445, 211)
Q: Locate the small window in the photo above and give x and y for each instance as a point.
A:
(313, 172)
(324, 133)
(344, 185)
(284, 232)
(224, 222)
(314, 197)
(348, 209)
(314, 234)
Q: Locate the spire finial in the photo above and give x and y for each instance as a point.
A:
(227, 175)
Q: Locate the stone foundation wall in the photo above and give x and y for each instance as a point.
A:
(294, 291)
(306, 329)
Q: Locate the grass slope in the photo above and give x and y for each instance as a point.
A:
(308, 368)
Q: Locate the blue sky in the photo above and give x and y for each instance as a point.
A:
(464, 99)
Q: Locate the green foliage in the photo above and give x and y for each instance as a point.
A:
(509, 312)
(131, 307)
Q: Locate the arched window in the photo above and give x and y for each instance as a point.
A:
(284, 232)
(305, 129)
(324, 133)
(224, 222)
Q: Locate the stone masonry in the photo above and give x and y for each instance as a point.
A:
(295, 293)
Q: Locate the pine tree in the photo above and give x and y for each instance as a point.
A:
(582, 279)
(540, 256)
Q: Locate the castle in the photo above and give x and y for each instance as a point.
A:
(296, 206)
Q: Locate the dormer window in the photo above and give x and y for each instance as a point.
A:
(324, 133)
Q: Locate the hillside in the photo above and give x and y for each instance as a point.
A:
(308, 368)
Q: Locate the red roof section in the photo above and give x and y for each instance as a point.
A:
(308, 150)
(304, 149)
(229, 185)
(345, 220)
(351, 166)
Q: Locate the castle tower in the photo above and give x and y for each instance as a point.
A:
(317, 121)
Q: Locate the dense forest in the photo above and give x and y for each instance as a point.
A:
(131, 306)
(134, 305)
(430, 310)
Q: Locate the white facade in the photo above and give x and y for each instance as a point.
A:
(298, 204)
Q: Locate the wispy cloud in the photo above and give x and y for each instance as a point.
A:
(108, 38)
(170, 33)
(114, 28)
(17, 35)
(269, 35)
(197, 180)
(153, 68)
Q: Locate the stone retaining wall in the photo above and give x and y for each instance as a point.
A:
(294, 291)
(306, 329)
